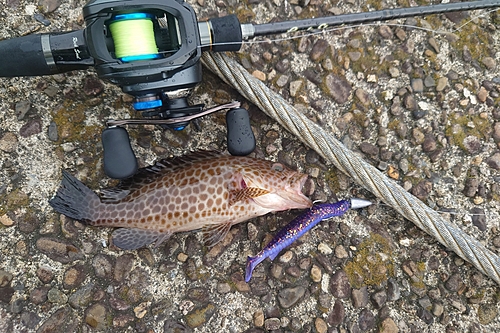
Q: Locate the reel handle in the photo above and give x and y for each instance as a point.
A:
(119, 158)
(240, 137)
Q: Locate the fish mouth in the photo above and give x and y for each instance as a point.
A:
(289, 196)
(295, 194)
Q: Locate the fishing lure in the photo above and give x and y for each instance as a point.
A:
(299, 226)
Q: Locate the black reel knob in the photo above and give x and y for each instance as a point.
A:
(119, 158)
(240, 138)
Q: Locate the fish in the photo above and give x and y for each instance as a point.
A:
(205, 190)
(299, 226)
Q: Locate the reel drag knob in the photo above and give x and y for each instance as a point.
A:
(240, 138)
(119, 158)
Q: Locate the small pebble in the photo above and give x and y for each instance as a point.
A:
(316, 273)
(320, 325)
(324, 248)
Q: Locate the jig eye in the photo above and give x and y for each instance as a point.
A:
(278, 167)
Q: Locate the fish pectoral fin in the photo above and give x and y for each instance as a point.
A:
(214, 233)
(132, 239)
(245, 193)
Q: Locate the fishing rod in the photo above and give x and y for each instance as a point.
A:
(152, 50)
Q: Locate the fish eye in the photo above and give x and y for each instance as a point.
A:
(278, 167)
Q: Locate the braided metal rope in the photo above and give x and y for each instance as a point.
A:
(353, 165)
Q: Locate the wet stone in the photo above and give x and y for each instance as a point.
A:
(422, 189)
(429, 143)
(393, 290)
(74, 276)
(283, 66)
(417, 85)
(495, 134)
(6, 294)
(58, 250)
(366, 320)
(338, 88)
(123, 266)
(21, 108)
(472, 144)
(198, 294)
(471, 186)
(96, 316)
(339, 285)
(122, 320)
(171, 325)
(5, 278)
(32, 127)
(429, 81)
(29, 319)
(118, 304)
(360, 297)
(453, 283)
(319, 49)
(337, 315)
(479, 218)
(386, 32)
(57, 322)
(489, 63)
(320, 325)
(147, 256)
(56, 296)
(92, 86)
(200, 316)
(425, 315)
(28, 223)
(48, 6)
(388, 326)
(494, 161)
(441, 83)
(8, 142)
(363, 96)
(82, 297)
(103, 265)
(288, 297)
(369, 149)
(39, 295)
(379, 299)
(313, 76)
(272, 324)
(487, 313)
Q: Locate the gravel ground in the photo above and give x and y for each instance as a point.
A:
(422, 106)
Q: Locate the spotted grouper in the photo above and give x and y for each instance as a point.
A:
(203, 190)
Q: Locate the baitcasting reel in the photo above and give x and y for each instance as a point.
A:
(152, 50)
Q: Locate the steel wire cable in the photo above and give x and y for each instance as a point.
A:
(350, 163)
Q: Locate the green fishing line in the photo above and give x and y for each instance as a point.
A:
(133, 36)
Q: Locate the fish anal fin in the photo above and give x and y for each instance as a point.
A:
(214, 233)
(246, 193)
(132, 238)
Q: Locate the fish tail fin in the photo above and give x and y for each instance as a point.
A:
(251, 263)
(74, 199)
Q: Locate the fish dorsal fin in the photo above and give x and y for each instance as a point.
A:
(113, 194)
(245, 193)
(214, 233)
(151, 173)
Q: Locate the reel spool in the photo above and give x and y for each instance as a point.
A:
(133, 37)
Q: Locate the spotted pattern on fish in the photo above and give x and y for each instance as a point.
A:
(191, 192)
